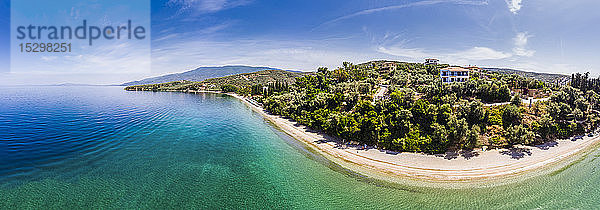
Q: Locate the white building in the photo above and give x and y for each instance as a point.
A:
(454, 74)
(431, 61)
(381, 92)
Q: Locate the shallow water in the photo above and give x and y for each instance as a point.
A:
(102, 147)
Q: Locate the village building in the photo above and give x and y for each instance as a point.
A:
(387, 67)
(474, 69)
(431, 61)
(454, 74)
(381, 93)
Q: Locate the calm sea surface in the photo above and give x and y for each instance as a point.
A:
(102, 147)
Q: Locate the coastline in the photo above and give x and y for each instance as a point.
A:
(477, 169)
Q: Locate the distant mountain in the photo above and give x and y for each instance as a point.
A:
(545, 77)
(78, 84)
(239, 80)
(199, 74)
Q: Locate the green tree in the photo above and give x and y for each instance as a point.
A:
(347, 127)
(322, 70)
(503, 93)
(511, 115)
(412, 142)
(444, 114)
(472, 137)
(439, 137)
(475, 114)
(457, 129)
(545, 127)
(229, 88)
(518, 134)
(516, 100)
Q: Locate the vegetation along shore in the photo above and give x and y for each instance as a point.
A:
(408, 119)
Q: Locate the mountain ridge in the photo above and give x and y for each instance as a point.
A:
(200, 74)
(542, 76)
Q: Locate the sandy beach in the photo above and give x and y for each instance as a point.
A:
(453, 168)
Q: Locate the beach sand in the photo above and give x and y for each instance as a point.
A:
(477, 167)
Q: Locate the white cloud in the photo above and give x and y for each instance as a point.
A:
(402, 6)
(302, 55)
(415, 53)
(48, 58)
(215, 28)
(481, 53)
(523, 52)
(211, 30)
(118, 57)
(514, 5)
(107, 62)
(166, 37)
(206, 6)
(211, 5)
(458, 57)
(520, 48)
(75, 13)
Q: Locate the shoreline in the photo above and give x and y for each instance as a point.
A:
(450, 170)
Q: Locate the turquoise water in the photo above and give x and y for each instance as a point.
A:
(102, 147)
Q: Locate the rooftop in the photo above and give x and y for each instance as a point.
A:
(454, 68)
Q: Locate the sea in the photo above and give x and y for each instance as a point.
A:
(92, 147)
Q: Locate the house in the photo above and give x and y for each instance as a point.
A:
(431, 61)
(474, 68)
(381, 92)
(387, 67)
(454, 74)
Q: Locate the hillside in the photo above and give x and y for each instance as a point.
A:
(420, 113)
(544, 77)
(417, 112)
(199, 74)
(559, 79)
(239, 80)
(261, 77)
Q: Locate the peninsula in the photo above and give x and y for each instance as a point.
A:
(432, 122)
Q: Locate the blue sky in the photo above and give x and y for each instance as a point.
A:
(535, 35)
(104, 62)
(4, 36)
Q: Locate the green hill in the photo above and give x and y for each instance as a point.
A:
(261, 77)
(544, 77)
(244, 80)
(416, 111)
(199, 74)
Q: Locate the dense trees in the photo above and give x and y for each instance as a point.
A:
(518, 134)
(269, 89)
(584, 83)
(243, 82)
(570, 112)
(229, 88)
(481, 89)
(420, 114)
(423, 115)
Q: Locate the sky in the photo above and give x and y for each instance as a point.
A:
(4, 36)
(552, 36)
(103, 61)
